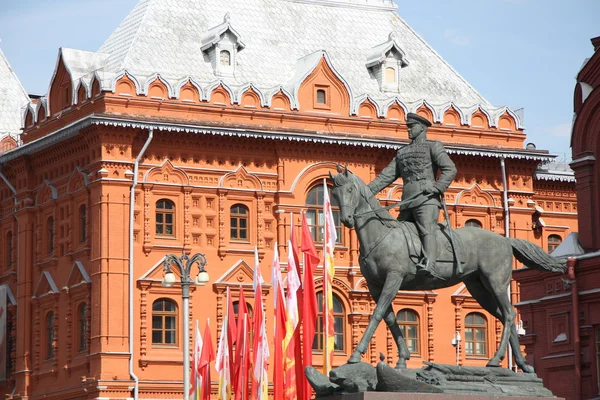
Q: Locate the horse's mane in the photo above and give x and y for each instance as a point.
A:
(380, 213)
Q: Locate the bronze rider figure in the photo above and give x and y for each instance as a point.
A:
(418, 164)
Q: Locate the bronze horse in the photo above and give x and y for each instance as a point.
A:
(387, 265)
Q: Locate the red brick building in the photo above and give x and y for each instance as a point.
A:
(561, 316)
(232, 113)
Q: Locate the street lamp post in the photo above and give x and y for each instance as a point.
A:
(185, 264)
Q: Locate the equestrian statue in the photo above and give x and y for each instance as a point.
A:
(414, 252)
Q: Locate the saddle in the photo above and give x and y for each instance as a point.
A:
(444, 245)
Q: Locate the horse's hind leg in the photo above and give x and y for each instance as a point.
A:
(392, 324)
(388, 292)
(488, 302)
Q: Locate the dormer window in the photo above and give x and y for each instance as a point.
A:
(321, 96)
(222, 43)
(390, 75)
(225, 58)
(385, 63)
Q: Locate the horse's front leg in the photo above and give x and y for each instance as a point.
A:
(388, 293)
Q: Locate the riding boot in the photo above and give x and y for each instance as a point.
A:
(430, 251)
(427, 265)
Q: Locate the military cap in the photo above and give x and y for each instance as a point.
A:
(412, 118)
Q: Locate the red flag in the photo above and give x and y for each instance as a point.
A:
(279, 308)
(309, 307)
(206, 357)
(297, 337)
(231, 332)
(242, 351)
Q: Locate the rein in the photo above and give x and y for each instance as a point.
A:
(398, 204)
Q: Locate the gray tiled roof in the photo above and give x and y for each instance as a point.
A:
(13, 99)
(165, 37)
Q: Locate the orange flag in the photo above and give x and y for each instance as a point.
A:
(328, 272)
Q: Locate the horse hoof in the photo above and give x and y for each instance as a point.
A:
(527, 368)
(401, 364)
(354, 358)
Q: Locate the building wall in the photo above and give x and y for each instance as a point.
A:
(561, 314)
(234, 160)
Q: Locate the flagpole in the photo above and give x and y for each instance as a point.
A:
(325, 288)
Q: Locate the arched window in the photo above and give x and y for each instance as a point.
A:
(314, 213)
(9, 249)
(475, 335)
(321, 96)
(236, 307)
(339, 324)
(238, 222)
(165, 218)
(473, 223)
(164, 322)
(409, 323)
(225, 58)
(50, 227)
(82, 311)
(50, 336)
(553, 242)
(390, 75)
(82, 223)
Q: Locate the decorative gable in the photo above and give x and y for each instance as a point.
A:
(240, 179)
(45, 285)
(385, 62)
(239, 274)
(475, 196)
(78, 276)
(221, 44)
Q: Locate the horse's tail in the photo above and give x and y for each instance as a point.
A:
(533, 256)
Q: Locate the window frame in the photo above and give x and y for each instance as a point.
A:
(386, 69)
(50, 232)
(221, 53)
(82, 223)
(327, 92)
(317, 345)
(550, 242)
(473, 223)
(475, 328)
(164, 314)
(164, 212)
(406, 324)
(315, 211)
(82, 326)
(50, 336)
(238, 217)
(9, 249)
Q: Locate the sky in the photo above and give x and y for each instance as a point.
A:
(516, 53)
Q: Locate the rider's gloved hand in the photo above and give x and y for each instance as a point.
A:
(428, 188)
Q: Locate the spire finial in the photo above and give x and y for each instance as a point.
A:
(227, 17)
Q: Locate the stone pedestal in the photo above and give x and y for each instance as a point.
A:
(429, 396)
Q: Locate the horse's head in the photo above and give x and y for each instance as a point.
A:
(346, 192)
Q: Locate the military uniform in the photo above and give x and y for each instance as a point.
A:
(418, 164)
